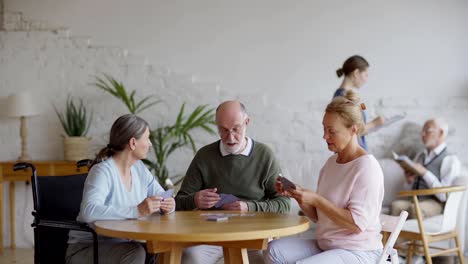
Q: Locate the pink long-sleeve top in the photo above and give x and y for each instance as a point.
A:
(358, 186)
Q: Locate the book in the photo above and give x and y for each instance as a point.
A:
(406, 163)
(388, 121)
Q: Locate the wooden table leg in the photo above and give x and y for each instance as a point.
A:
(12, 215)
(235, 256)
(1, 215)
(168, 252)
(171, 257)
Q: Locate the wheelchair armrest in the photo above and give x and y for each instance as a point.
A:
(72, 225)
(64, 224)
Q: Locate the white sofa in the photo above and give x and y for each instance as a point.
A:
(393, 177)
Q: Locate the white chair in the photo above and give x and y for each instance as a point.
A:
(392, 225)
(434, 229)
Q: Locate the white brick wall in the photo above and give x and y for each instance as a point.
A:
(52, 63)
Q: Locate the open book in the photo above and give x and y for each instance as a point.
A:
(406, 163)
(388, 121)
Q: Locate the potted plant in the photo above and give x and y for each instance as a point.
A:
(75, 121)
(165, 138)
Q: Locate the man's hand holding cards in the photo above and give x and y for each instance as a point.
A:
(226, 199)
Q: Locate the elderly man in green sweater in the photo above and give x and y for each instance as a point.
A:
(235, 165)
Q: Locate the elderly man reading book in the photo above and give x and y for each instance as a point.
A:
(435, 166)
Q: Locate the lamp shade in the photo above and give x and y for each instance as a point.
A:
(20, 104)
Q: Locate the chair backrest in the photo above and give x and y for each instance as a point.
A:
(462, 180)
(392, 224)
(57, 198)
(449, 221)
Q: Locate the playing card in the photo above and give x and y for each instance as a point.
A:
(167, 194)
(287, 184)
(217, 218)
(226, 199)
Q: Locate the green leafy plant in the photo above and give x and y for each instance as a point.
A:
(166, 138)
(117, 89)
(75, 119)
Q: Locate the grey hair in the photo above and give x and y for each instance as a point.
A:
(124, 128)
(441, 123)
(243, 110)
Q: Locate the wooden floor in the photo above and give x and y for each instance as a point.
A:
(17, 256)
(26, 256)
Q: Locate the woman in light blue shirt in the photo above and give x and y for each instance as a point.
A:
(118, 186)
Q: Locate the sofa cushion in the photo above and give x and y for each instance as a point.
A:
(393, 180)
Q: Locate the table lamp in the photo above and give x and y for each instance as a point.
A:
(21, 105)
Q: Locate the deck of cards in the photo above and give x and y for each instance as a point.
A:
(226, 199)
(167, 194)
(287, 184)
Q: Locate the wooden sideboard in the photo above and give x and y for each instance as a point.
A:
(44, 168)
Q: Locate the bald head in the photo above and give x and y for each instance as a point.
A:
(230, 109)
(232, 122)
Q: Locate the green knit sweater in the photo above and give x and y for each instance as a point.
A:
(251, 178)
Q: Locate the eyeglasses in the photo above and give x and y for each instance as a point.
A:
(237, 130)
(428, 130)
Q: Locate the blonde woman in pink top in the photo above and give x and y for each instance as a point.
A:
(347, 203)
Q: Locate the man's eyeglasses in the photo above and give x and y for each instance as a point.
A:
(237, 130)
(428, 130)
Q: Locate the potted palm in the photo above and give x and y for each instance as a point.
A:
(165, 138)
(75, 121)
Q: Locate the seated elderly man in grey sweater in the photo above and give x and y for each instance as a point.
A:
(235, 165)
(435, 167)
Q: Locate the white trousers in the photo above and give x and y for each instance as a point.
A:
(302, 251)
(205, 254)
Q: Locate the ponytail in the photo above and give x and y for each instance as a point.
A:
(339, 72)
(103, 154)
(352, 96)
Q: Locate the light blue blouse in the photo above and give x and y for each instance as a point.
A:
(105, 197)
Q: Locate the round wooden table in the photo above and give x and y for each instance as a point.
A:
(169, 234)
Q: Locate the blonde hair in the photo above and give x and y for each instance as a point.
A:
(349, 108)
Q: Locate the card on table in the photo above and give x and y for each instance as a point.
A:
(217, 218)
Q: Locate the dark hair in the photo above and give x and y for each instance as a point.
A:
(351, 64)
(124, 128)
(349, 108)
